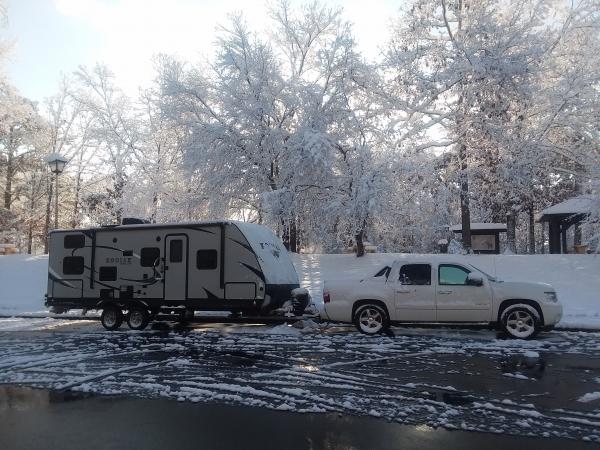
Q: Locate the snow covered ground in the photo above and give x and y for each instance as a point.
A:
(23, 281)
(575, 277)
(457, 380)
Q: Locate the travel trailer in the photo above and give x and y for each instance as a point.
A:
(137, 270)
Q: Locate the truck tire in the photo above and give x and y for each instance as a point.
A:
(138, 318)
(520, 322)
(371, 319)
(111, 318)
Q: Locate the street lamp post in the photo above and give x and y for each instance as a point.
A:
(57, 166)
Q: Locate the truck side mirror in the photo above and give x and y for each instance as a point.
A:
(474, 279)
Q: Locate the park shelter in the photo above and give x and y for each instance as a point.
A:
(561, 217)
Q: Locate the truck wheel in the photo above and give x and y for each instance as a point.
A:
(371, 319)
(111, 318)
(520, 323)
(138, 318)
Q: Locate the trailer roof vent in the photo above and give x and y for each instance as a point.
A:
(133, 221)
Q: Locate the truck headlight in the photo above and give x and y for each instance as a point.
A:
(551, 296)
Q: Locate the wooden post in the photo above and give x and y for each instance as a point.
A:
(554, 236)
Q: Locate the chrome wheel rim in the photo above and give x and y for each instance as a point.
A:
(110, 318)
(520, 324)
(370, 320)
(136, 318)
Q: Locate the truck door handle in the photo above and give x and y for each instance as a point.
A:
(403, 291)
(444, 292)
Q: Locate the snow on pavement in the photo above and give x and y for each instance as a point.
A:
(589, 397)
(456, 380)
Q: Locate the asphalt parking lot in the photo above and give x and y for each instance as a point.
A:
(454, 385)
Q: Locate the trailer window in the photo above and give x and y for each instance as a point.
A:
(73, 265)
(149, 256)
(175, 250)
(206, 259)
(108, 273)
(74, 241)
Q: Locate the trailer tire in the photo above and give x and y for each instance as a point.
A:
(138, 318)
(111, 318)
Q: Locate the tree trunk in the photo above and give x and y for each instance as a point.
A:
(360, 246)
(465, 211)
(285, 234)
(74, 217)
(8, 180)
(31, 215)
(577, 235)
(293, 235)
(531, 230)
(29, 238)
(511, 222)
(154, 207)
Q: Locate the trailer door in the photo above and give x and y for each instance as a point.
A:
(175, 271)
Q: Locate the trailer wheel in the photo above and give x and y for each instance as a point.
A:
(111, 318)
(138, 318)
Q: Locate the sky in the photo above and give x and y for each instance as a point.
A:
(54, 37)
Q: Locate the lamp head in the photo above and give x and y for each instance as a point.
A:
(57, 163)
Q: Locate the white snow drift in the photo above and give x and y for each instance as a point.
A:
(575, 277)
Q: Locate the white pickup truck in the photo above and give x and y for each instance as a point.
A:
(441, 290)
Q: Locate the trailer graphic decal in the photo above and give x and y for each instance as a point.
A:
(246, 246)
(54, 277)
(256, 271)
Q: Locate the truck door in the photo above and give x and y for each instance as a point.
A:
(415, 294)
(175, 267)
(458, 301)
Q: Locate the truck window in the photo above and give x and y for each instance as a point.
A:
(108, 273)
(383, 272)
(74, 241)
(149, 256)
(451, 274)
(73, 265)
(415, 274)
(176, 250)
(206, 259)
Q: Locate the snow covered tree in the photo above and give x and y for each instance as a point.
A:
(471, 74)
(113, 128)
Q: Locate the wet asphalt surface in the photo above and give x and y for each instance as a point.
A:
(232, 387)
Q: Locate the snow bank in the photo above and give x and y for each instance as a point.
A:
(23, 280)
(576, 278)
